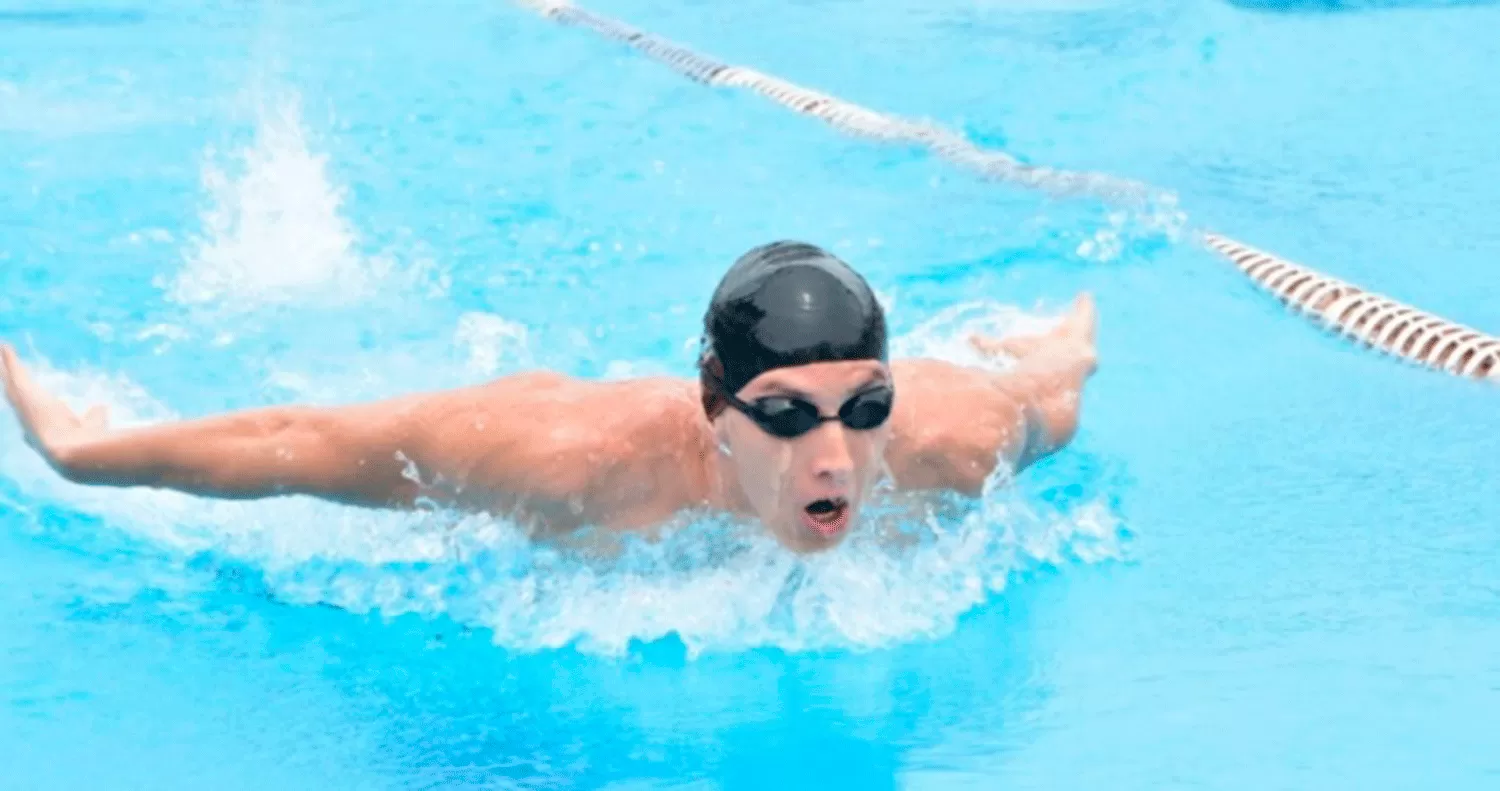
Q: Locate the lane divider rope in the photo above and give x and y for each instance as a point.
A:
(1364, 317)
(850, 118)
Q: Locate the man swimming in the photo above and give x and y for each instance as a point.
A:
(796, 416)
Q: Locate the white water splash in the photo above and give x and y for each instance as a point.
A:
(275, 231)
(491, 342)
(1161, 219)
(718, 587)
(946, 335)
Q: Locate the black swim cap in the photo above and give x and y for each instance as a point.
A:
(785, 304)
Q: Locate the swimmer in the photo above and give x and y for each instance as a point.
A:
(797, 415)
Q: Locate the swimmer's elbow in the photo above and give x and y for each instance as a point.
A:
(964, 467)
(71, 461)
(352, 457)
(1050, 427)
(1062, 421)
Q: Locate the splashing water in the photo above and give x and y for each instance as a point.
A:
(1160, 220)
(946, 334)
(274, 232)
(491, 341)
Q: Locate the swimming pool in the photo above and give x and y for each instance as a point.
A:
(1270, 560)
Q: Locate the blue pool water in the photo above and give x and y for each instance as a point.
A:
(1271, 560)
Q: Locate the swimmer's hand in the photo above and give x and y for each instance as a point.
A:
(1070, 343)
(49, 425)
(344, 454)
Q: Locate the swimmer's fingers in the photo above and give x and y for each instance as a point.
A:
(18, 391)
(13, 377)
(995, 348)
(1082, 318)
(1075, 329)
(46, 421)
(21, 391)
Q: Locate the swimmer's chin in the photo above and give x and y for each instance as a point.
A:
(819, 526)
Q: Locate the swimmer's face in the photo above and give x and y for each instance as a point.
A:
(808, 489)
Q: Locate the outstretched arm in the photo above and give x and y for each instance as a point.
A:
(356, 454)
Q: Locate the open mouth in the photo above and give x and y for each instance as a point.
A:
(827, 517)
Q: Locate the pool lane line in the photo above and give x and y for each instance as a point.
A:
(1364, 317)
(1361, 316)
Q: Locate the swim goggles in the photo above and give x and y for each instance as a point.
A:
(788, 418)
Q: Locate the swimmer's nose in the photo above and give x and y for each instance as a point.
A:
(831, 462)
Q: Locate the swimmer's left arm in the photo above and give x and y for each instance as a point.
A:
(1049, 401)
(955, 424)
(1045, 382)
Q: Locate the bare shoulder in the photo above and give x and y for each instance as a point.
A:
(951, 426)
(540, 440)
(547, 415)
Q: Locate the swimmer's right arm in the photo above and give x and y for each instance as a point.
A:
(348, 454)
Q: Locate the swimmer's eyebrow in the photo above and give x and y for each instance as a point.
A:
(781, 390)
(778, 389)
